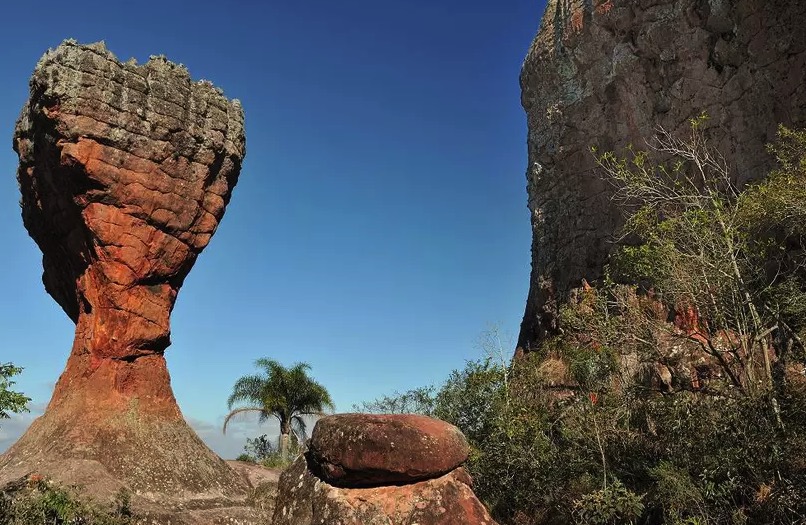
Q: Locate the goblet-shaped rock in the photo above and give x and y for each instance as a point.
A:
(125, 172)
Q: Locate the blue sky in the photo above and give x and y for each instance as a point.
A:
(380, 222)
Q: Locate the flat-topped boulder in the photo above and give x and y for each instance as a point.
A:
(360, 450)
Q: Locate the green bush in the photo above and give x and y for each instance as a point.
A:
(613, 420)
(612, 505)
(261, 450)
(540, 456)
(39, 501)
(10, 401)
(246, 458)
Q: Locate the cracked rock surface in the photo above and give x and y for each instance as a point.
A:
(364, 469)
(606, 73)
(125, 172)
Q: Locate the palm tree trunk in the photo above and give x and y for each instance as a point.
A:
(285, 433)
(283, 442)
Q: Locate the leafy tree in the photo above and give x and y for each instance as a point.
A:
(427, 401)
(612, 420)
(10, 401)
(415, 401)
(285, 393)
(730, 260)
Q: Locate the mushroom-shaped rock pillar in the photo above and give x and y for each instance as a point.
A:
(125, 171)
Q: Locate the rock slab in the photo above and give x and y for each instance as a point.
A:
(411, 494)
(125, 173)
(606, 73)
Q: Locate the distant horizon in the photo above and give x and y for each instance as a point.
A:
(380, 221)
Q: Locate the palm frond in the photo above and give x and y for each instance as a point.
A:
(247, 388)
(240, 411)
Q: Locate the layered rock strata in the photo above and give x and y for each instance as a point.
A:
(125, 172)
(365, 469)
(606, 73)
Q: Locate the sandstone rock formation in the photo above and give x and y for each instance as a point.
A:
(125, 172)
(606, 73)
(356, 450)
(380, 470)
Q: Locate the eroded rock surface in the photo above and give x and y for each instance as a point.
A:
(412, 486)
(125, 172)
(362, 450)
(606, 73)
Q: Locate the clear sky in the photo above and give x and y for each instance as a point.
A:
(380, 222)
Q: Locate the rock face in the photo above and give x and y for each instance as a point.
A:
(380, 470)
(125, 172)
(606, 73)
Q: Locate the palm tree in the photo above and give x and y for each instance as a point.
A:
(285, 393)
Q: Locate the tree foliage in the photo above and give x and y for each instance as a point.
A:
(415, 401)
(675, 391)
(10, 401)
(731, 259)
(287, 394)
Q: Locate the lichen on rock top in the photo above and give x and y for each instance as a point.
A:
(125, 173)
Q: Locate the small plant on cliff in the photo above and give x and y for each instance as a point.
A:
(10, 401)
(288, 394)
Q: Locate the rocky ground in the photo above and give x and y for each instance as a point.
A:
(256, 508)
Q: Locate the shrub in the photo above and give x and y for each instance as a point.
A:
(246, 458)
(261, 450)
(614, 504)
(626, 417)
(37, 500)
(10, 401)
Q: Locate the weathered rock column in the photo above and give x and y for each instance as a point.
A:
(364, 469)
(125, 172)
(606, 73)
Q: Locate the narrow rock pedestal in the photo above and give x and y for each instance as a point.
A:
(125, 172)
(364, 469)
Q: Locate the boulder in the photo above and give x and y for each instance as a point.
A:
(380, 470)
(361, 450)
